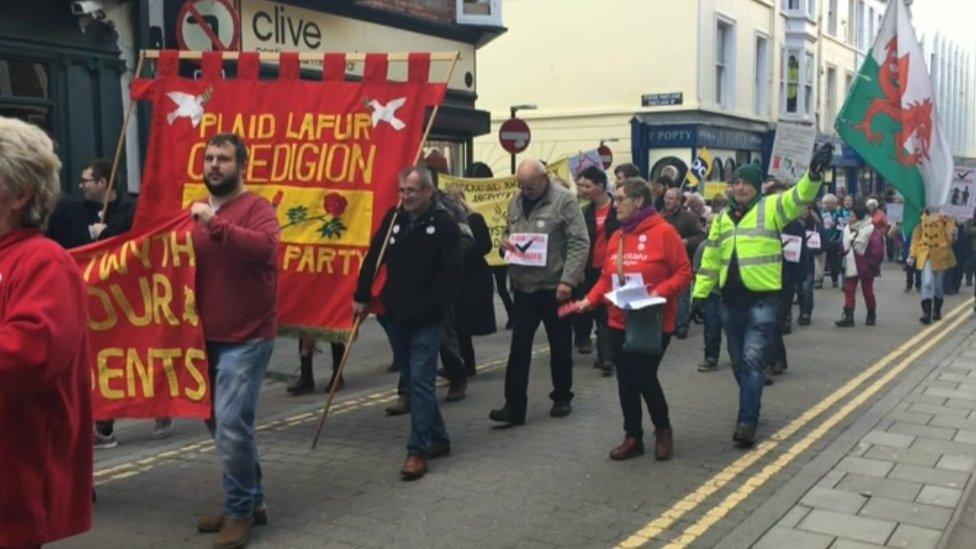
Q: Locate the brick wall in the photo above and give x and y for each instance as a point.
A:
(440, 11)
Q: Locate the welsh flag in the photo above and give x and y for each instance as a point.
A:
(890, 118)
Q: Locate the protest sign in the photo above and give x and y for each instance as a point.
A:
(962, 194)
(148, 354)
(324, 153)
(792, 149)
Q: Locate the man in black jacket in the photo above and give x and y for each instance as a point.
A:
(601, 221)
(95, 186)
(423, 260)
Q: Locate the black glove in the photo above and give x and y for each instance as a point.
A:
(698, 307)
(821, 159)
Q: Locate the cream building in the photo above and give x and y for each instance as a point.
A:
(667, 77)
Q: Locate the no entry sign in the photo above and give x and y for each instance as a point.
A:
(514, 135)
(208, 25)
(606, 156)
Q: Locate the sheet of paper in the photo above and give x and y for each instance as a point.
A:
(792, 246)
(632, 294)
(813, 240)
(531, 249)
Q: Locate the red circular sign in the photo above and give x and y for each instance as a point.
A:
(208, 25)
(514, 135)
(606, 156)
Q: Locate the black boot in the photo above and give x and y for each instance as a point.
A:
(846, 320)
(937, 309)
(870, 319)
(305, 382)
(926, 312)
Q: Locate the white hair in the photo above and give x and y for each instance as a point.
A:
(871, 203)
(829, 198)
(28, 165)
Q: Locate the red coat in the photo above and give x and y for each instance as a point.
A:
(45, 393)
(655, 250)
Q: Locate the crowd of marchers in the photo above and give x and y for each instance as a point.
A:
(733, 263)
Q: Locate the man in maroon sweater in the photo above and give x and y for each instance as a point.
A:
(236, 243)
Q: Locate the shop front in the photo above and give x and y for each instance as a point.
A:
(62, 73)
(657, 145)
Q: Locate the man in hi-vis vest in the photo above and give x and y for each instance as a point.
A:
(743, 258)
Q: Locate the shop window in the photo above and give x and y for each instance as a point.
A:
(479, 12)
(445, 156)
(729, 169)
(717, 168)
(674, 161)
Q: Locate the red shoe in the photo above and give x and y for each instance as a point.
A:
(631, 447)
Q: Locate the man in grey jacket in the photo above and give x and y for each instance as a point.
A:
(541, 213)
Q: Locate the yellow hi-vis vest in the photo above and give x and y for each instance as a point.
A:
(755, 241)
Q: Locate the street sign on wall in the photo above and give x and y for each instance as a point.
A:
(606, 155)
(208, 25)
(514, 135)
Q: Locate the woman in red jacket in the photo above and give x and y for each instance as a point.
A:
(648, 245)
(45, 381)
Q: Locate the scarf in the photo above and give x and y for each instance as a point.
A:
(637, 218)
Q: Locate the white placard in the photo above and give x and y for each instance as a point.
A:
(813, 240)
(894, 212)
(792, 149)
(531, 249)
(792, 246)
(962, 194)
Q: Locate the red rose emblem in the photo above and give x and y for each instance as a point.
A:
(335, 204)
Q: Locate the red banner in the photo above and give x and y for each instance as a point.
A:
(324, 153)
(148, 355)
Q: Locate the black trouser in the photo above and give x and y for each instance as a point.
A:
(835, 264)
(636, 378)
(466, 347)
(501, 285)
(450, 349)
(528, 310)
(913, 277)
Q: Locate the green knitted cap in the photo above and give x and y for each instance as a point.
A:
(750, 173)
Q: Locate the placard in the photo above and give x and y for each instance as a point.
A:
(792, 149)
(531, 249)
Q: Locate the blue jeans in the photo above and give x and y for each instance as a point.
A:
(713, 326)
(683, 320)
(418, 346)
(931, 282)
(751, 331)
(236, 373)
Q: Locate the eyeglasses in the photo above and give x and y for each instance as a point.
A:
(84, 180)
(407, 191)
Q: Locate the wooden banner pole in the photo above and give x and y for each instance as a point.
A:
(379, 261)
(121, 141)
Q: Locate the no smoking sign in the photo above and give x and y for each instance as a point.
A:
(208, 25)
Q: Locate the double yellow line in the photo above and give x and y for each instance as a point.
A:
(691, 501)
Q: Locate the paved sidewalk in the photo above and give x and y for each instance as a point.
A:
(907, 479)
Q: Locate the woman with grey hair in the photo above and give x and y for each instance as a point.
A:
(834, 222)
(45, 379)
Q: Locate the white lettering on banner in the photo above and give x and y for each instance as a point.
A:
(531, 249)
(792, 246)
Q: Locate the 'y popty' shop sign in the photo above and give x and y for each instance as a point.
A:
(325, 153)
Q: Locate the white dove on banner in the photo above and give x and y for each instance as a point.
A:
(387, 113)
(190, 106)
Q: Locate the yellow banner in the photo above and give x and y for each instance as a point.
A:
(715, 188)
(490, 197)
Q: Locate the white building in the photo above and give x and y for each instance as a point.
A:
(954, 79)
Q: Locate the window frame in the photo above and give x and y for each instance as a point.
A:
(725, 97)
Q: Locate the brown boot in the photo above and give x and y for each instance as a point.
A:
(457, 390)
(631, 447)
(663, 444)
(235, 533)
(414, 467)
(400, 407)
(213, 523)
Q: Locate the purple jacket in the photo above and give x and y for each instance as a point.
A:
(869, 264)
